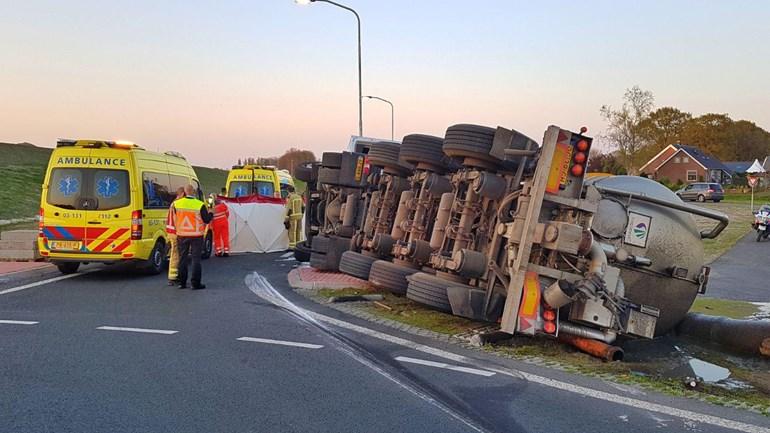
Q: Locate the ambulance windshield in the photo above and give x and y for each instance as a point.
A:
(88, 188)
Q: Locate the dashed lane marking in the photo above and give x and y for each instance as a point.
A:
(17, 322)
(280, 342)
(48, 281)
(477, 372)
(144, 330)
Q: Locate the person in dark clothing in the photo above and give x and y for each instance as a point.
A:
(190, 218)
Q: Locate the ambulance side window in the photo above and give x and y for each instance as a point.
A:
(157, 190)
(176, 183)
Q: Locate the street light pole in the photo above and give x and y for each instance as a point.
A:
(392, 123)
(358, 20)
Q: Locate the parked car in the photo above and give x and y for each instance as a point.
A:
(702, 191)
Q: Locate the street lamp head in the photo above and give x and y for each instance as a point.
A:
(303, 2)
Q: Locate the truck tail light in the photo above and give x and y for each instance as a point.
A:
(136, 225)
(550, 324)
(40, 223)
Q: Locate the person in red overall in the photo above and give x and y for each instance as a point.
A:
(221, 227)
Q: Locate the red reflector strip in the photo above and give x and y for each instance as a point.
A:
(122, 246)
(109, 240)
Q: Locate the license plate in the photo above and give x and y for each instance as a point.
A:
(761, 228)
(64, 245)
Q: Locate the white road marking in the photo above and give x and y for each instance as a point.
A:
(18, 322)
(261, 287)
(280, 342)
(272, 295)
(48, 281)
(145, 330)
(445, 366)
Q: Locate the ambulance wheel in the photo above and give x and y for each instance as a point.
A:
(68, 267)
(302, 252)
(154, 263)
(208, 246)
(390, 276)
(428, 290)
(356, 264)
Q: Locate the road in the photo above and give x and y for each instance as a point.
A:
(112, 351)
(746, 262)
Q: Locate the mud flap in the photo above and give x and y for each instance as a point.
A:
(470, 303)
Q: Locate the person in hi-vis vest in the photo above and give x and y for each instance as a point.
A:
(294, 213)
(173, 260)
(190, 218)
(221, 228)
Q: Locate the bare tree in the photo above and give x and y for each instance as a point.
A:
(625, 126)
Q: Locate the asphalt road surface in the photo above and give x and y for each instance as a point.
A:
(113, 351)
(743, 272)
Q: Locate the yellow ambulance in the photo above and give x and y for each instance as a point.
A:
(107, 201)
(250, 179)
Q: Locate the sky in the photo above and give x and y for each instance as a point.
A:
(219, 80)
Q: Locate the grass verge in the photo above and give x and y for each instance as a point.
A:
(724, 307)
(740, 224)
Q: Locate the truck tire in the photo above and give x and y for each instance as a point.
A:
(329, 176)
(320, 244)
(304, 172)
(67, 268)
(337, 246)
(470, 141)
(428, 290)
(385, 154)
(331, 159)
(416, 148)
(302, 252)
(319, 261)
(356, 264)
(390, 276)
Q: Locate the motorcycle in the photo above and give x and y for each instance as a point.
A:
(762, 222)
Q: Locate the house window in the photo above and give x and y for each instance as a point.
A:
(692, 175)
(677, 160)
(685, 160)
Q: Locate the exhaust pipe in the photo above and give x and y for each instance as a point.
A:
(595, 348)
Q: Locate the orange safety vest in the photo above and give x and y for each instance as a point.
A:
(187, 217)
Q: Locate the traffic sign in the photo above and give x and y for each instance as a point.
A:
(752, 180)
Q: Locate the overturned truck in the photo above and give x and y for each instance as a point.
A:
(525, 240)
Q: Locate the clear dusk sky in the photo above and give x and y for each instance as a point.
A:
(218, 80)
